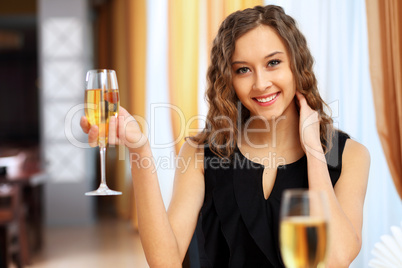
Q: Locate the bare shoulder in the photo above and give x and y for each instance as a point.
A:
(355, 169)
(190, 147)
(355, 153)
(191, 153)
(189, 175)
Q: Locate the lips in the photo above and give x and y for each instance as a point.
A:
(267, 100)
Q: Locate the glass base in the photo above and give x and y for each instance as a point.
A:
(103, 190)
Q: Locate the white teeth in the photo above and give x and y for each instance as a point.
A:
(267, 99)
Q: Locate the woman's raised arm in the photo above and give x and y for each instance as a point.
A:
(165, 238)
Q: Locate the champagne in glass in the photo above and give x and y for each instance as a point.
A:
(101, 103)
(303, 229)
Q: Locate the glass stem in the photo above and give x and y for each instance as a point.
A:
(102, 151)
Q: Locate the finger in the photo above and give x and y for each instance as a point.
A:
(93, 134)
(121, 128)
(301, 98)
(123, 112)
(303, 103)
(112, 130)
(85, 124)
(312, 118)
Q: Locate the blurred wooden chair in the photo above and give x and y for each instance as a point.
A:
(13, 233)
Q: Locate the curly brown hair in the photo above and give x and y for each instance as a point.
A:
(226, 114)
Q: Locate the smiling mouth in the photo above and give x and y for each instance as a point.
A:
(267, 99)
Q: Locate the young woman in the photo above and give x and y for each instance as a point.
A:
(266, 131)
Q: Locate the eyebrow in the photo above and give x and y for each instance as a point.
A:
(266, 57)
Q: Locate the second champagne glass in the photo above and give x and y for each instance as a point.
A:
(102, 102)
(303, 232)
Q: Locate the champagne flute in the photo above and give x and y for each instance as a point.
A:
(303, 231)
(102, 102)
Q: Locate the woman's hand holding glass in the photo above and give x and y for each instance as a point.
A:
(103, 123)
(123, 130)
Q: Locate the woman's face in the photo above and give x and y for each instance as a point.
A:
(262, 77)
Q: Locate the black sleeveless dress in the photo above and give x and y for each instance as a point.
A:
(237, 226)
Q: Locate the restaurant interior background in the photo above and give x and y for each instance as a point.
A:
(46, 47)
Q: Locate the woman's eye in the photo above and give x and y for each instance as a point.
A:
(242, 70)
(273, 63)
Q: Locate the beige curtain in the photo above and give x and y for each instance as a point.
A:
(135, 14)
(121, 37)
(384, 20)
(118, 51)
(183, 65)
(218, 10)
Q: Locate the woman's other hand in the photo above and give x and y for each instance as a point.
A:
(309, 127)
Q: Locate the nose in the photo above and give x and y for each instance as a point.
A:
(262, 80)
